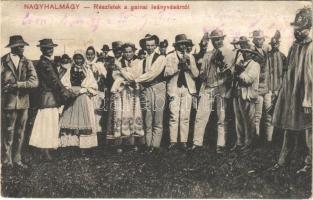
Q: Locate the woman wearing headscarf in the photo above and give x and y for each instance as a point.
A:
(125, 117)
(77, 122)
(99, 73)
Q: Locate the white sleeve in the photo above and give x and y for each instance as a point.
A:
(155, 70)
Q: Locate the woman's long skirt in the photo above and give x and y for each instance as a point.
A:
(125, 116)
(45, 133)
(78, 124)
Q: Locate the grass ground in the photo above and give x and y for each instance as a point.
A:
(202, 174)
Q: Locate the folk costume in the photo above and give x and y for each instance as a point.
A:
(77, 123)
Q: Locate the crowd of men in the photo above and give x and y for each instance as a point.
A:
(252, 79)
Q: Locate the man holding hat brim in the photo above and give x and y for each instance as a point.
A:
(293, 110)
(53, 94)
(215, 76)
(245, 86)
(181, 69)
(18, 76)
(154, 91)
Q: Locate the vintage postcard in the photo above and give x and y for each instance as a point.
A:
(156, 99)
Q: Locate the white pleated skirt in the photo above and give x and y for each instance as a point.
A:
(45, 133)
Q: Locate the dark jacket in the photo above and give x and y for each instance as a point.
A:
(277, 63)
(51, 92)
(24, 76)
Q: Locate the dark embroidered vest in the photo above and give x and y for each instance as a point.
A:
(77, 76)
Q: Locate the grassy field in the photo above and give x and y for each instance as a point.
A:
(105, 174)
(202, 174)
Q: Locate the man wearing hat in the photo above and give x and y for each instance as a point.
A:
(104, 54)
(45, 133)
(293, 110)
(105, 49)
(246, 80)
(215, 75)
(163, 46)
(181, 69)
(241, 42)
(235, 43)
(265, 95)
(277, 62)
(18, 76)
(154, 91)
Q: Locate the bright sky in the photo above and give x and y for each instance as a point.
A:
(77, 29)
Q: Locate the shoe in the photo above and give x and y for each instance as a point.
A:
(7, 165)
(195, 148)
(20, 165)
(172, 146)
(47, 156)
(304, 170)
(142, 148)
(135, 149)
(236, 147)
(184, 146)
(151, 149)
(246, 148)
(220, 150)
(155, 150)
(276, 167)
(119, 150)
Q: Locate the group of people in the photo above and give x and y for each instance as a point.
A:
(125, 95)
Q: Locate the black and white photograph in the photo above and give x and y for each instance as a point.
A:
(156, 99)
